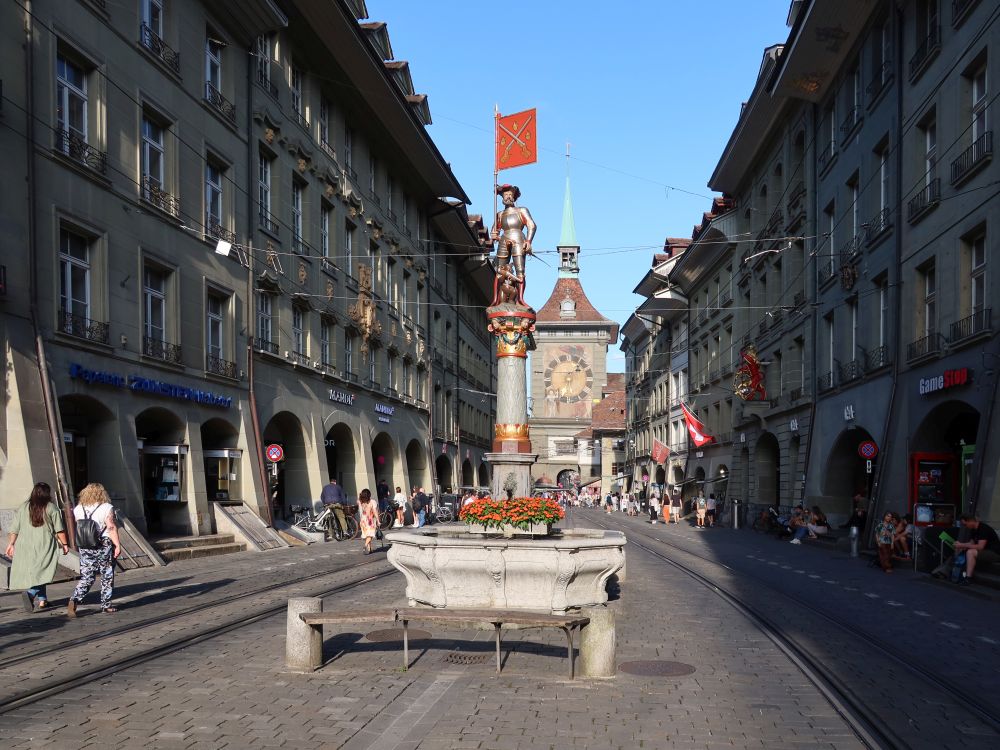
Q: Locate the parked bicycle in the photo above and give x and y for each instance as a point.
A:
(326, 521)
(443, 514)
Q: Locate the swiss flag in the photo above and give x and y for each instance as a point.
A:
(696, 428)
(660, 452)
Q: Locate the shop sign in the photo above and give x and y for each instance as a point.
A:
(793, 424)
(384, 412)
(140, 384)
(342, 397)
(743, 437)
(949, 379)
(849, 412)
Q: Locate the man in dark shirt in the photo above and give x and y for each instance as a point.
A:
(333, 497)
(983, 545)
(383, 495)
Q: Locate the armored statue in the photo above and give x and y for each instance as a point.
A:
(513, 230)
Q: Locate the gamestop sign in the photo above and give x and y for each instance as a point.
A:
(949, 379)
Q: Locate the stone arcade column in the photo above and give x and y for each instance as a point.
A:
(512, 325)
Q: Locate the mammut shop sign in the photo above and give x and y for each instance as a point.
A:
(384, 412)
(341, 397)
(949, 379)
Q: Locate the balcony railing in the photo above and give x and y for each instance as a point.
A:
(702, 317)
(924, 201)
(219, 366)
(824, 382)
(973, 325)
(267, 221)
(877, 359)
(159, 349)
(799, 299)
(215, 229)
(725, 297)
(265, 82)
(795, 394)
(153, 192)
(298, 358)
(877, 225)
(923, 347)
(978, 153)
(879, 81)
(851, 250)
(851, 121)
(149, 39)
(76, 148)
(714, 374)
(225, 107)
(328, 148)
(83, 328)
(300, 246)
(268, 347)
(851, 370)
(925, 51)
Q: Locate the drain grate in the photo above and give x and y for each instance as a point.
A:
(396, 634)
(656, 668)
(462, 657)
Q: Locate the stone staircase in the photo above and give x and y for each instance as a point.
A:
(190, 547)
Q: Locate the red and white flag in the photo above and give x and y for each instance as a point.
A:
(695, 428)
(660, 452)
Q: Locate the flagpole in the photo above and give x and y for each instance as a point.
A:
(496, 163)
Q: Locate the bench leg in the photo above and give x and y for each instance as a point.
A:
(497, 626)
(303, 643)
(406, 646)
(569, 650)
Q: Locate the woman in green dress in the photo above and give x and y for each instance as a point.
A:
(36, 535)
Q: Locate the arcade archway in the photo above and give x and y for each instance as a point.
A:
(289, 478)
(384, 459)
(221, 460)
(943, 454)
(91, 440)
(162, 440)
(568, 479)
(484, 474)
(845, 473)
(340, 448)
(416, 464)
(468, 475)
(442, 470)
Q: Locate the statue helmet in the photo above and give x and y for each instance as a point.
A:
(501, 189)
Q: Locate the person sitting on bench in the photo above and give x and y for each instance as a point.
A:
(983, 546)
(901, 537)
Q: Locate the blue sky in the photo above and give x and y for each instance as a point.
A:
(647, 99)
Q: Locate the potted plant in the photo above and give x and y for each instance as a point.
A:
(515, 517)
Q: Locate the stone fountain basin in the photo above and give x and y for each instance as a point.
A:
(449, 567)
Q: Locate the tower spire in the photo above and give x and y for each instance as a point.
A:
(569, 250)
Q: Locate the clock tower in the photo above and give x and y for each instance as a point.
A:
(568, 370)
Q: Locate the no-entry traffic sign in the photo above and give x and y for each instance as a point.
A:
(274, 453)
(868, 450)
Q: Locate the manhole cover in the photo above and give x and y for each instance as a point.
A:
(396, 634)
(461, 657)
(656, 668)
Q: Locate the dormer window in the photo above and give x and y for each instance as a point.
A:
(567, 308)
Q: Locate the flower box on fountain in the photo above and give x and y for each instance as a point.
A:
(520, 516)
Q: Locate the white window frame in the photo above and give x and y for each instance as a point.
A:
(349, 230)
(298, 330)
(264, 185)
(883, 178)
(68, 264)
(263, 56)
(324, 122)
(154, 300)
(215, 325)
(295, 89)
(883, 313)
(213, 63)
(390, 367)
(265, 317)
(214, 205)
(930, 151)
(297, 190)
(324, 230)
(66, 92)
(979, 102)
(152, 16)
(348, 148)
(152, 145)
(930, 299)
(348, 352)
(324, 342)
(855, 208)
(977, 266)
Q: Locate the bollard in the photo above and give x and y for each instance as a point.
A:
(598, 643)
(303, 643)
(854, 541)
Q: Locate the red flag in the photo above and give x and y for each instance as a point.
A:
(696, 428)
(660, 452)
(516, 140)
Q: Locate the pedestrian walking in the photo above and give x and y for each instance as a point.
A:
(367, 518)
(711, 504)
(701, 508)
(36, 536)
(654, 508)
(95, 506)
(675, 508)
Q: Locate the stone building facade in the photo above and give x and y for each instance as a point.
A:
(229, 231)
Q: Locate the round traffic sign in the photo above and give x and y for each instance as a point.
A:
(274, 453)
(868, 450)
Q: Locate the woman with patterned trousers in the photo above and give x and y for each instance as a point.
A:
(95, 504)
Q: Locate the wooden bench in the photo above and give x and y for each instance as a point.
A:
(304, 650)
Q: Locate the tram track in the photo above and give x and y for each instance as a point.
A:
(82, 677)
(871, 728)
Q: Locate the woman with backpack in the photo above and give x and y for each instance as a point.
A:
(99, 546)
(36, 535)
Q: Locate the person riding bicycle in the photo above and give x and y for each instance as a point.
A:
(334, 498)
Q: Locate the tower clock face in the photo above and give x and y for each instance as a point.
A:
(569, 378)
